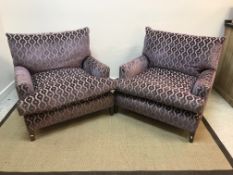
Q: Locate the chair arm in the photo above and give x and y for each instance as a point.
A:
(96, 68)
(204, 83)
(134, 67)
(24, 85)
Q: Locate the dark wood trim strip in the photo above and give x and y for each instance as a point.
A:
(218, 142)
(229, 23)
(191, 172)
(8, 114)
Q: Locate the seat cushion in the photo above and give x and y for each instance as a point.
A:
(60, 87)
(165, 86)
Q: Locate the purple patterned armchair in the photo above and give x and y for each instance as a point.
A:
(57, 79)
(171, 81)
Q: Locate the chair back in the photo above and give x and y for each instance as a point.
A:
(46, 51)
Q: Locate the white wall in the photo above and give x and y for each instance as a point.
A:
(6, 68)
(117, 26)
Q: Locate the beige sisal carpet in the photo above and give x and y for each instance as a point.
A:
(124, 141)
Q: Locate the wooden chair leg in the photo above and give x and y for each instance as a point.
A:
(191, 137)
(32, 135)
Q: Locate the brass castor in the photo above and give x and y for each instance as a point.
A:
(191, 137)
(32, 137)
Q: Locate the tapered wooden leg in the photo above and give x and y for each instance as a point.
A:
(111, 110)
(32, 135)
(31, 131)
(191, 137)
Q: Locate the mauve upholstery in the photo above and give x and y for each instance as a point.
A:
(56, 88)
(177, 117)
(185, 53)
(57, 79)
(96, 68)
(164, 86)
(41, 52)
(67, 112)
(24, 82)
(204, 83)
(171, 81)
(134, 67)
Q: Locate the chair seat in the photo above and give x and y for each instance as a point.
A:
(61, 87)
(165, 86)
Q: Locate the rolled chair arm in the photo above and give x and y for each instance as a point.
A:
(134, 67)
(204, 83)
(96, 68)
(24, 85)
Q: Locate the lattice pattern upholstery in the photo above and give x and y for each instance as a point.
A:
(134, 67)
(77, 109)
(56, 88)
(165, 86)
(174, 116)
(185, 53)
(204, 83)
(42, 52)
(172, 79)
(57, 79)
(96, 68)
(24, 83)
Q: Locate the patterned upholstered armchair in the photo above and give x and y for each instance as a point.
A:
(171, 81)
(57, 79)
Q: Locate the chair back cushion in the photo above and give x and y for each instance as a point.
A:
(46, 51)
(181, 52)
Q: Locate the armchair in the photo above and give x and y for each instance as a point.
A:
(57, 79)
(172, 78)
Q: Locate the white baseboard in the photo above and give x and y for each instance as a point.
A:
(9, 88)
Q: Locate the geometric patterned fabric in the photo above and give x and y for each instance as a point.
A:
(46, 51)
(165, 86)
(185, 53)
(59, 87)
